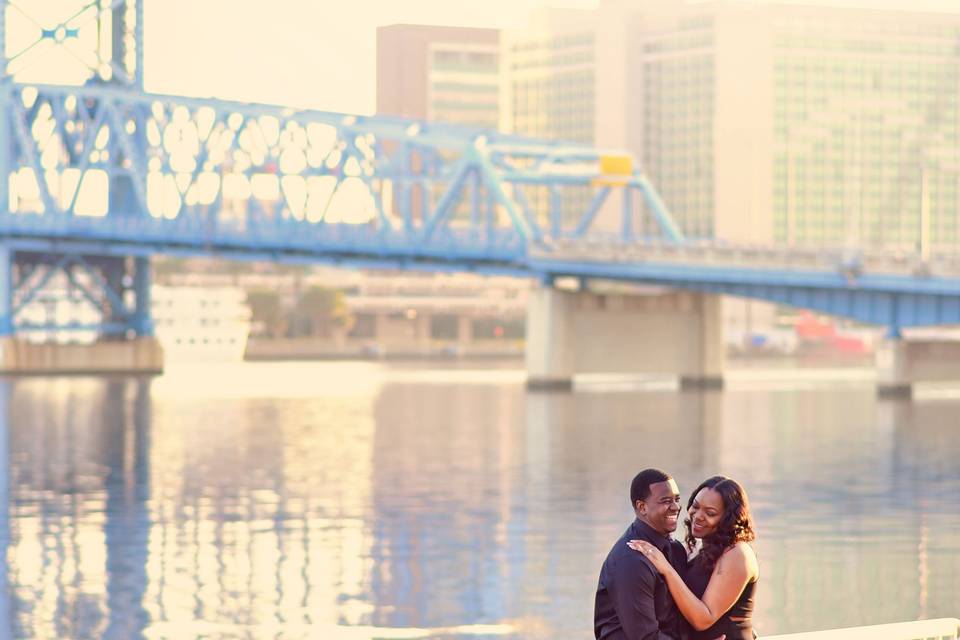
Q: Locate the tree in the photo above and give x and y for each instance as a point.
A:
(320, 311)
(266, 310)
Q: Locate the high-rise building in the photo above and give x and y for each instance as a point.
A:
(577, 75)
(448, 74)
(548, 91)
(441, 74)
(864, 125)
(758, 122)
(800, 124)
(549, 76)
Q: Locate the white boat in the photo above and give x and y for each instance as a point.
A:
(201, 324)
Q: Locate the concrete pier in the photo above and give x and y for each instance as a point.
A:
(938, 628)
(139, 355)
(902, 363)
(573, 332)
(464, 331)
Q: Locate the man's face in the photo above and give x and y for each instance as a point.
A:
(661, 509)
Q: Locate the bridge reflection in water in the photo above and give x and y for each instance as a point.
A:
(290, 500)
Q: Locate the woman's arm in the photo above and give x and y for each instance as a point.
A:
(726, 584)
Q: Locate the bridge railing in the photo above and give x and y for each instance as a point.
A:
(727, 254)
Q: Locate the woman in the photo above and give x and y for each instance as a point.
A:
(717, 597)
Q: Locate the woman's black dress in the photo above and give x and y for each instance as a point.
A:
(697, 578)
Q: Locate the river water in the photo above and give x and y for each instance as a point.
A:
(366, 500)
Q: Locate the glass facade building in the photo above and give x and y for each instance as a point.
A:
(797, 124)
(549, 80)
(551, 86)
(678, 119)
(756, 122)
(865, 128)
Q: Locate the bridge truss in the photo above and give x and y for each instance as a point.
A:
(104, 171)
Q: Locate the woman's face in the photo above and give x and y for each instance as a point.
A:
(705, 513)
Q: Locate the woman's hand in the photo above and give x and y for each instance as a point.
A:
(651, 553)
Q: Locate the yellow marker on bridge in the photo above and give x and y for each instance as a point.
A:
(615, 171)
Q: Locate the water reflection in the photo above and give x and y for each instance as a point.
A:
(6, 622)
(78, 506)
(323, 500)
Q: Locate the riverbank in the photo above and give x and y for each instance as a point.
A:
(320, 349)
(325, 349)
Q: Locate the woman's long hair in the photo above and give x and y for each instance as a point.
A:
(735, 526)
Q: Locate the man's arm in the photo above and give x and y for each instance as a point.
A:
(634, 600)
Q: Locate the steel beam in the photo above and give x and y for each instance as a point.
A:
(101, 281)
(587, 219)
(6, 290)
(6, 141)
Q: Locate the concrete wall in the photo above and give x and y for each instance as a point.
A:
(393, 329)
(569, 333)
(140, 355)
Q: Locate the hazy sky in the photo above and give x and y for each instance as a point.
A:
(314, 53)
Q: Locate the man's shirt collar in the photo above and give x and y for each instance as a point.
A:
(656, 538)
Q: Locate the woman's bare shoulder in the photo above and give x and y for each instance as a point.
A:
(741, 554)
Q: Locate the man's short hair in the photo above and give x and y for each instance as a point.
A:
(640, 487)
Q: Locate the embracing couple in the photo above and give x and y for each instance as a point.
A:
(654, 588)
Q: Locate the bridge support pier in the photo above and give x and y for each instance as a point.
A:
(902, 363)
(75, 313)
(573, 332)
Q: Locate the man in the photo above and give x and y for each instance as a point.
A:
(633, 602)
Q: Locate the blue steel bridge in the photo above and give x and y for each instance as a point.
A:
(103, 175)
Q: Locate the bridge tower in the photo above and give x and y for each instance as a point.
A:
(54, 292)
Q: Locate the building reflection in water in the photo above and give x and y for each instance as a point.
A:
(132, 516)
(6, 620)
(447, 467)
(856, 500)
(78, 467)
(285, 501)
(495, 505)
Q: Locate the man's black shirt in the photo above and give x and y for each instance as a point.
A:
(633, 602)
